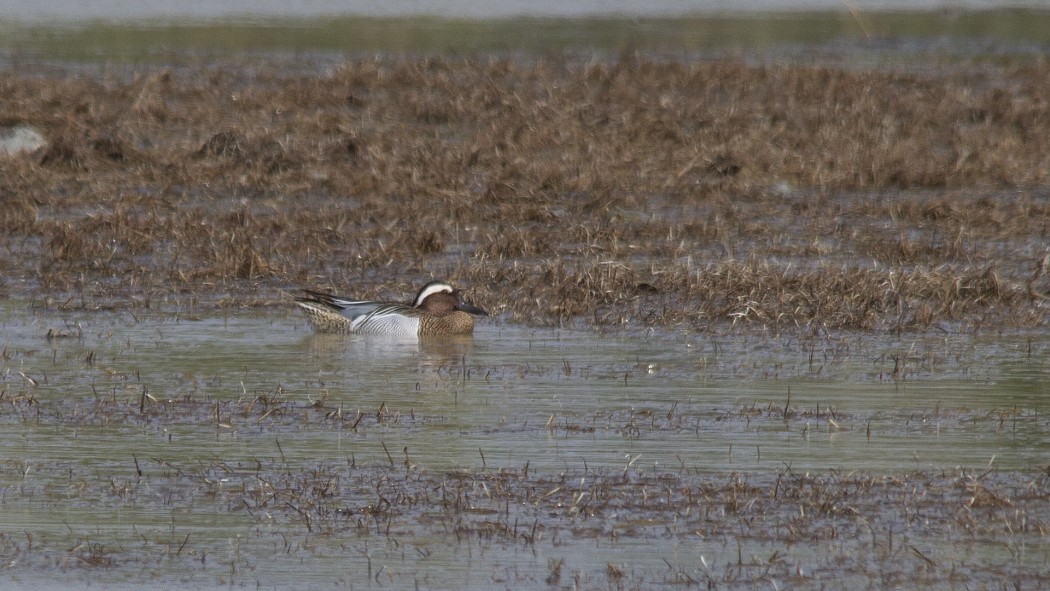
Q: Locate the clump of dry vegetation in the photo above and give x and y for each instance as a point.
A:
(628, 190)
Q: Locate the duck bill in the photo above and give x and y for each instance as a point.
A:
(471, 309)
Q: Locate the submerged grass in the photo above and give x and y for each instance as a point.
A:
(632, 190)
(738, 530)
(937, 529)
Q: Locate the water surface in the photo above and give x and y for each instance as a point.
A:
(554, 397)
(126, 432)
(827, 35)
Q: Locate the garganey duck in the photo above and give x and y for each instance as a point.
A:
(439, 309)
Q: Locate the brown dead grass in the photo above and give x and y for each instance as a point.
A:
(633, 190)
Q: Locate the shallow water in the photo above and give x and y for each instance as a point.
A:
(125, 430)
(555, 398)
(823, 32)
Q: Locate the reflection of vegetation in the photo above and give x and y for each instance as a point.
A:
(158, 39)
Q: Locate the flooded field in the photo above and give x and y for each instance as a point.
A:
(763, 320)
(241, 449)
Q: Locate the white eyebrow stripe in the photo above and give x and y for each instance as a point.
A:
(431, 290)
